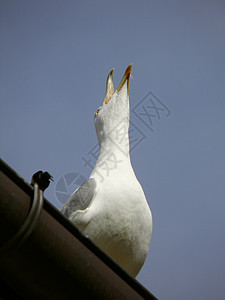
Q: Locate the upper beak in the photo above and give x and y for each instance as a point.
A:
(109, 87)
(109, 83)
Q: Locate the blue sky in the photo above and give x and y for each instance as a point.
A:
(55, 57)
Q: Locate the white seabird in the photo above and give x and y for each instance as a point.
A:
(110, 207)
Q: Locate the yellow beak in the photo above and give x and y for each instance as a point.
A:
(109, 83)
(125, 78)
(109, 87)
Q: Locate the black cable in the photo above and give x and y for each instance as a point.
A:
(40, 181)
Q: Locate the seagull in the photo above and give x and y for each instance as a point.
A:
(110, 207)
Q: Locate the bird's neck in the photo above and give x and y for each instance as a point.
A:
(116, 145)
(113, 156)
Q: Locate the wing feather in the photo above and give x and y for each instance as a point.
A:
(81, 198)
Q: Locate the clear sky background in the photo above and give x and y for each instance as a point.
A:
(55, 57)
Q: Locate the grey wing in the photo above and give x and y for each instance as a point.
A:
(81, 198)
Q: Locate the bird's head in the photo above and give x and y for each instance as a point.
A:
(115, 110)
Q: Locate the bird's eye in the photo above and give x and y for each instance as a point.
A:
(97, 111)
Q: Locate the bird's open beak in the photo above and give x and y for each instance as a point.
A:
(109, 83)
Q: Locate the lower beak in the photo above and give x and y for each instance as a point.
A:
(125, 78)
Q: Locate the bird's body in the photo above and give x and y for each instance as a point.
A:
(110, 207)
